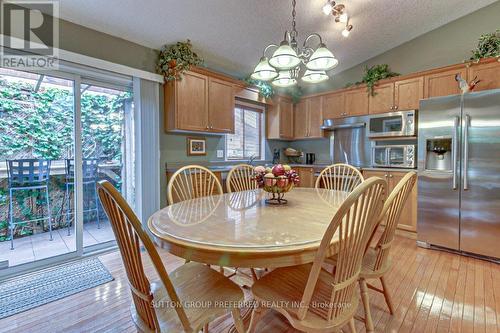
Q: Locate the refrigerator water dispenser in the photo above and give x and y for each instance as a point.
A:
(439, 154)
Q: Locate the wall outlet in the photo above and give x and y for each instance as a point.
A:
(220, 153)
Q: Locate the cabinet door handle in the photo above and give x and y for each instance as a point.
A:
(386, 175)
(395, 107)
(390, 176)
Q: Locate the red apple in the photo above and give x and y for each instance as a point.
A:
(278, 170)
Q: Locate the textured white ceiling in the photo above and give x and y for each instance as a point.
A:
(231, 34)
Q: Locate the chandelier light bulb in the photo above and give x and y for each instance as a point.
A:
(263, 71)
(327, 8)
(284, 57)
(322, 59)
(314, 76)
(284, 80)
(343, 17)
(347, 30)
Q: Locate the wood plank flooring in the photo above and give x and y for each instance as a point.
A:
(433, 291)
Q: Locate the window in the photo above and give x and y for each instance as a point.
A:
(246, 140)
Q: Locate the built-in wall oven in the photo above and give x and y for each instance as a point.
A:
(393, 156)
(392, 124)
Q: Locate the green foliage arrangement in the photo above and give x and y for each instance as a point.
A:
(175, 59)
(373, 75)
(39, 124)
(488, 46)
(265, 88)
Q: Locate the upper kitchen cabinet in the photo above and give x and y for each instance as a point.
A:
(334, 105)
(300, 114)
(408, 93)
(315, 117)
(186, 103)
(308, 118)
(488, 72)
(443, 83)
(400, 95)
(356, 102)
(220, 106)
(279, 118)
(199, 103)
(382, 99)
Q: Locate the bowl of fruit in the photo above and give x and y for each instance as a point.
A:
(276, 180)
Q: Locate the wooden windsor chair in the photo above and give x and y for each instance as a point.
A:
(376, 262)
(340, 177)
(241, 178)
(311, 298)
(190, 182)
(160, 306)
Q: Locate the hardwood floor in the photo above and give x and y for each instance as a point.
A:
(432, 291)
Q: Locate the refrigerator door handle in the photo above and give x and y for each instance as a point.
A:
(466, 152)
(455, 151)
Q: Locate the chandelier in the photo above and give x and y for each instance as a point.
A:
(284, 66)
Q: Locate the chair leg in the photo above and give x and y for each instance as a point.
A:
(387, 296)
(257, 313)
(366, 305)
(238, 322)
(97, 207)
(47, 198)
(352, 327)
(68, 206)
(205, 328)
(11, 220)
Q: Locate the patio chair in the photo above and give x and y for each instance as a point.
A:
(89, 177)
(28, 175)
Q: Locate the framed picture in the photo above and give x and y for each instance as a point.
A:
(196, 146)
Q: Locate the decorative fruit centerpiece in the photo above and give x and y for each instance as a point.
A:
(276, 180)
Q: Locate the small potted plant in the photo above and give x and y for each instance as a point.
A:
(277, 181)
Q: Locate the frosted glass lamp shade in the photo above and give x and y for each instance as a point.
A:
(284, 79)
(284, 58)
(322, 60)
(314, 76)
(263, 71)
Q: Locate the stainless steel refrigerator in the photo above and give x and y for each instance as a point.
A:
(459, 173)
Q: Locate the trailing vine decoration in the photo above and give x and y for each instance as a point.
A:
(175, 59)
(373, 75)
(265, 88)
(488, 45)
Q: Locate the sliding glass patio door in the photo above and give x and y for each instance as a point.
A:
(60, 134)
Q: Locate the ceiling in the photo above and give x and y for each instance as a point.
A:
(231, 34)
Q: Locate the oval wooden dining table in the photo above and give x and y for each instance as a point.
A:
(240, 229)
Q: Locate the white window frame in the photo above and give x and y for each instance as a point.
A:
(262, 137)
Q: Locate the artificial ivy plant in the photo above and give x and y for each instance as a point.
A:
(488, 46)
(373, 75)
(175, 59)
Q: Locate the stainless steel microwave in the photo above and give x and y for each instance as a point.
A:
(392, 124)
(394, 156)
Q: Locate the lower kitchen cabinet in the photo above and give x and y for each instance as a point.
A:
(408, 218)
(306, 176)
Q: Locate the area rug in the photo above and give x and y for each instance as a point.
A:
(26, 292)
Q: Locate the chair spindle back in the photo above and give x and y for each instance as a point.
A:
(241, 178)
(190, 182)
(340, 177)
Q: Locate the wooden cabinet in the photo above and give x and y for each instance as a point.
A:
(408, 93)
(408, 218)
(306, 176)
(399, 95)
(308, 118)
(487, 72)
(220, 106)
(199, 103)
(300, 115)
(356, 102)
(443, 83)
(279, 118)
(382, 99)
(334, 105)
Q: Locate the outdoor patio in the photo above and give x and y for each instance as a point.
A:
(38, 246)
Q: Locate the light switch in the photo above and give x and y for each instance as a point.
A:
(220, 153)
